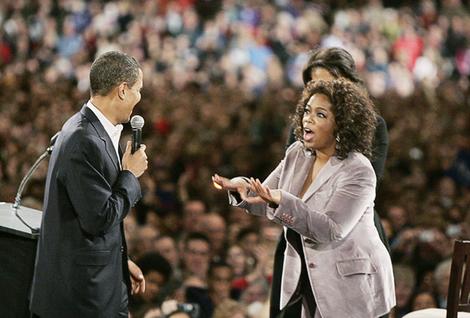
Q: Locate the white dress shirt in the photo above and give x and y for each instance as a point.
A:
(114, 132)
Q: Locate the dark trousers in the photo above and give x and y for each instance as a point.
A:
(303, 294)
(124, 309)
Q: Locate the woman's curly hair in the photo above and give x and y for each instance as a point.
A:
(354, 113)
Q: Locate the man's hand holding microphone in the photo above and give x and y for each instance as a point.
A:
(134, 158)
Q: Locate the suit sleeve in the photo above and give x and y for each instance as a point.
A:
(353, 194)
(380, 147)
(99, 205)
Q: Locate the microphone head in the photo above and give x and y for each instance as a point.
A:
(137, 122)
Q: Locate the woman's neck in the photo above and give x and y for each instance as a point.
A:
(323, 156)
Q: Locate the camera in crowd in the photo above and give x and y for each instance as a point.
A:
(170, 307)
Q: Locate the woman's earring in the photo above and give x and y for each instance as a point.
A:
(337, 139)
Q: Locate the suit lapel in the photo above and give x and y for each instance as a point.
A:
(88, 113)
(330, 168)
(121, 153)
(302, 165)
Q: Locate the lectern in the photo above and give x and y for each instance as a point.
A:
(17, 254)
(19, 231)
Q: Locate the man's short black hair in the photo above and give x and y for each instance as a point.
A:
(111, 69)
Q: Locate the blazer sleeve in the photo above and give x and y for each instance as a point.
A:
(353, 193)
(380, 147)
(272, 182)
(99, 205)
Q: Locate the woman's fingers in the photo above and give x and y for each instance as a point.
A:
(222, 183)
(218, 184)
(243, 195)
(261, 190)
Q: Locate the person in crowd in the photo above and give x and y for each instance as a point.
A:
(217, 291)
(399, 221)
(423, 300)
(143, 240)
(196, 259)
(165, 245)
(323, 194)
(157, 272)
(230, 309)
(245, 275)
(237, 259)
(248, 238)
(193, 213)
(255, 296)
(441, 280)
(405, 282)
(82, 268)
(214, 226)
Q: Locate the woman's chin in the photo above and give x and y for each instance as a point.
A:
(309, 145)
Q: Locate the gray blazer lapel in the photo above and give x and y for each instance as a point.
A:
(302, 164)
(88, 113)
(330, 168)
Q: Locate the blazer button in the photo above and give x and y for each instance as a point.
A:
(122, 249)
(309, 241)
(311, 265)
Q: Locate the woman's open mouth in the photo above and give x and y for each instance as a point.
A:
(308, 134)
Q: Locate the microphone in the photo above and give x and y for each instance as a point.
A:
(26, 178)
(137, 122)
(52, 143)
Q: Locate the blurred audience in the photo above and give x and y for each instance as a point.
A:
(219, 73)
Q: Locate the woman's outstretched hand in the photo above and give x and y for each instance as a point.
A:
(243, 185)
(223, 183)
(264, 193)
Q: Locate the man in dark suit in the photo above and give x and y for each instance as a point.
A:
(82, 269)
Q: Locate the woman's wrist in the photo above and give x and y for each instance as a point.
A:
(276, 198)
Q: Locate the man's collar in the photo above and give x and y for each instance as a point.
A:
(111, 129)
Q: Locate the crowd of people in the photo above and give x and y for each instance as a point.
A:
(222, 79)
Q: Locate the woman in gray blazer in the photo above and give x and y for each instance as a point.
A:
(323, 193)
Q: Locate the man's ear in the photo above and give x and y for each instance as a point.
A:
(121, 91)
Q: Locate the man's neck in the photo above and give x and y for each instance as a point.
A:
(104, 105)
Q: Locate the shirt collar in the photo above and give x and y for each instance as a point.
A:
(113, 131)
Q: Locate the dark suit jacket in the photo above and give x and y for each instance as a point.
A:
(81, 258)
(380, 148)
